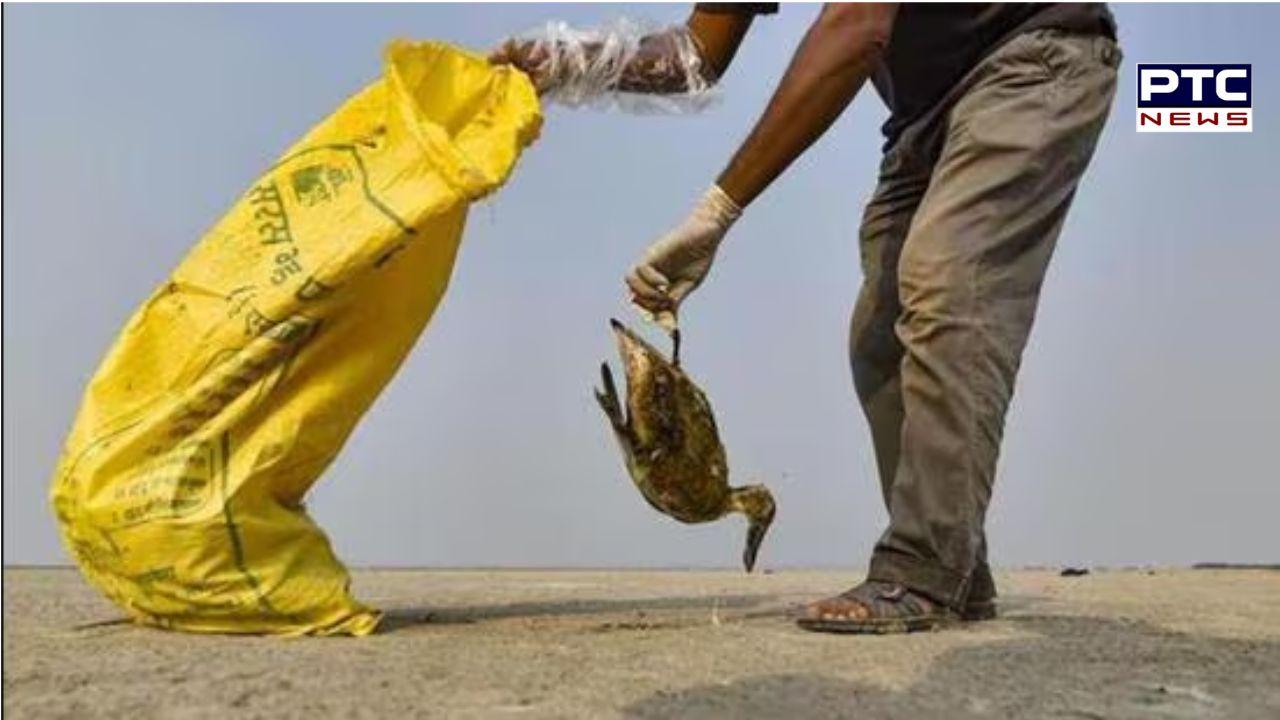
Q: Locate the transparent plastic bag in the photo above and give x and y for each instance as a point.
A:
(627, 65)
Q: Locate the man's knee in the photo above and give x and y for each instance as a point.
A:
(936, 289)
(872, 341)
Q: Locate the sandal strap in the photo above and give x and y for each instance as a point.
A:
(888, 600)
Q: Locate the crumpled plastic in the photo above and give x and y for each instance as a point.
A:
(626, 65)
(180, 488)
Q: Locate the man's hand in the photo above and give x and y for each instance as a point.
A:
(831, 64)
(660, 63)
(679, 261)
(527, 56)
(676, 60)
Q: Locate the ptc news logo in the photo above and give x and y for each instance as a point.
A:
(1176, 97)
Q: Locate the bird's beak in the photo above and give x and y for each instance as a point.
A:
(618, 327)
(631, 344)
(755, 535)
(622, 334)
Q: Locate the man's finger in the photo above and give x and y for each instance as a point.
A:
(528, 59)
(655, 279)
(681, 290)
(650, 301)
(664, 318)
(504, 54)
(644, 292)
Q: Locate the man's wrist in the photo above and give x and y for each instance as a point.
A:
(719, 208)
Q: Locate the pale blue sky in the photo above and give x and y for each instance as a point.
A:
(1148, 415)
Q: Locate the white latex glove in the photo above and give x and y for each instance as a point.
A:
(679, 261)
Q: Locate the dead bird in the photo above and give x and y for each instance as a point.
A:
(670, 443)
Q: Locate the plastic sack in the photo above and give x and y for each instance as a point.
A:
(180, 490)
(627, 65)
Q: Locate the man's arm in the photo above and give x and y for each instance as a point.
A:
(835, 58)
(718, 35)
(833, 61)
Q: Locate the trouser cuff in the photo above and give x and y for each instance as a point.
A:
(927, 578)
(982, 586)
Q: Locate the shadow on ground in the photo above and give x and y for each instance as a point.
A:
(401, 618)
(1074, 667)
(740, 607)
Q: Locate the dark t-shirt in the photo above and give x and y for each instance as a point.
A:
(934, 45)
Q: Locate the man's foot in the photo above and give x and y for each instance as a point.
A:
(874, 607)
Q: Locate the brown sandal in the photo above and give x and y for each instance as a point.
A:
(875, 607)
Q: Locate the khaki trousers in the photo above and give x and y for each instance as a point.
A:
(955, 243)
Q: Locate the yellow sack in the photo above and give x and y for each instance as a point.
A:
(179, 491)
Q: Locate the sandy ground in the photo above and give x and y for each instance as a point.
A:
(472, 643)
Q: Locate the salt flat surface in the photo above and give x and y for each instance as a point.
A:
(1163, 643)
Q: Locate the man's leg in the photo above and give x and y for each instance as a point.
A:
(969, 280)
(875, 353)
(970, 270)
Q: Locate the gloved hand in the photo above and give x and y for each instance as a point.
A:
(679, 261)
(528, 56)
(581, 65)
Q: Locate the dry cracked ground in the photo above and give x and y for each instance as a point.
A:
(1163, 643)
